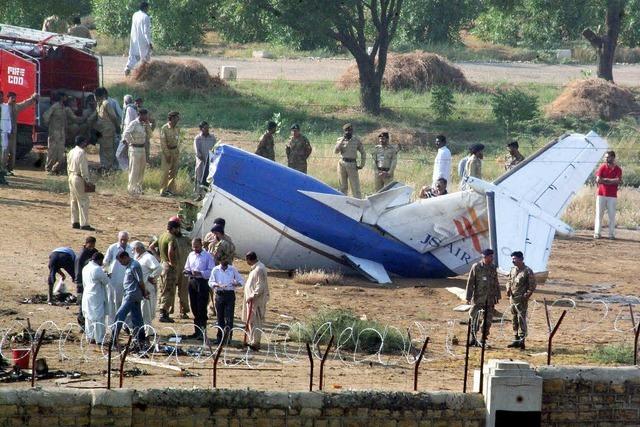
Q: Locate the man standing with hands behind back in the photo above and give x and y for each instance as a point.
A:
(169, 141)
(223, 281)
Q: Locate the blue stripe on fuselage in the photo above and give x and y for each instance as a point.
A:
(273, 189)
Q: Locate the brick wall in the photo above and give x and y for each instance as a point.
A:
(234, 408)
(583, 396)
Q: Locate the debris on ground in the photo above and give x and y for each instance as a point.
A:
(59, 299)
(595, 99)
(418, 71)
(187, 75)
(7, 312)
(17, 375)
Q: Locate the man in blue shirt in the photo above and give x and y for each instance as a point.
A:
(60, 259)
(198, 269)
(134, 292)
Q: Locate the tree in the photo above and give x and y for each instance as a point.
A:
(355, 24)
(31, 13)
(606, 44)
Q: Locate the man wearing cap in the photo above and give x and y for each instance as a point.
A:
(483, 290)
(298, 150)
(78, 176)
(473, 166)
(385, 158)
(520, 287)
(442, 162)
(115, 290)
(266, 145)
(168, 248)
(514, 157)
(134, 136)
(348, 147)
(223, 249)
(202, 145)
(169, 141)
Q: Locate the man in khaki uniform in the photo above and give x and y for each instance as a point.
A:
(134, 135)
(15, 109)
(209, 243)
(514, 157)
(385, 158)
(520, 287)
(54, 24)
(184, 248)
(483, 289)
(168, 249)
(266, 145)
(169, 141)
(107, 126)
(78, 171)
(348, 147)
(298, 150)
(473, 167)
(256, 296)
(57, 118)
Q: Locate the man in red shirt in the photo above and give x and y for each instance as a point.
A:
(608, 178)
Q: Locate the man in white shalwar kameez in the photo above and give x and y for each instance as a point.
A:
(116, 271)
(256, 295)
(140, 45)
(151, 270)
(94, 299)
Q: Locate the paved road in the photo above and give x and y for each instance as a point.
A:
(310, 69)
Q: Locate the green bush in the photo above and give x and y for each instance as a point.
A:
(176, 24)
(613, 354)
(512, 107)
(442, 102)
(365, 333)
(31, 14)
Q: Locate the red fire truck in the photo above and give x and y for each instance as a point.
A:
(33, 61)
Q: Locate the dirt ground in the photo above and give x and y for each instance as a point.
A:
(38, 221)
(310, 69)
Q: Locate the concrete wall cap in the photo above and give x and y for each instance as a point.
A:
(121, 398)
(601, 374)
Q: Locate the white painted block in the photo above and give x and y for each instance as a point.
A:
(228, 72)
(563, 53)
(262, 54)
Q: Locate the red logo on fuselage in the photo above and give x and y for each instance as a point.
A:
(471, 227)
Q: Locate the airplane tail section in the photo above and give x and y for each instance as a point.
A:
(531, 198)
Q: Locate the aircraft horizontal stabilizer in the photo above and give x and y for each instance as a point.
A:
(366, 210)
(372, 270)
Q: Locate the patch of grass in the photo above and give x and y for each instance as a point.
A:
(118, 181)
(613, 354)
(56, 185)
(351, 331)
(313, 277)
(580, 212)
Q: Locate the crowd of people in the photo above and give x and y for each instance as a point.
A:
(133, 284)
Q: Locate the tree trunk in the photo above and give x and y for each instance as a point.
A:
(370, 85)
(606, 45)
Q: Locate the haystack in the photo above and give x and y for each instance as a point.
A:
(593, 98)
(189, 75)
(418, 71)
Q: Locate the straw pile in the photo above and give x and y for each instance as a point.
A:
(418, 71)
(187, 75)
(593, 98)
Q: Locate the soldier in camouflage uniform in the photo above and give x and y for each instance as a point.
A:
(209, 243)
(514, 157)
(385, 158)
(298, 150)
(520, 287)
(348, 147)
(483, 289)
(266, 145)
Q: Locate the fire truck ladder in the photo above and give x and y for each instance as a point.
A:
(29, 35)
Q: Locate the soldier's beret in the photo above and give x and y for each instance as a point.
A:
(217, 227)
(384, 133)
(513, 144)
(487, 252)
(347, 126)
(295, 126)
(476, 148)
